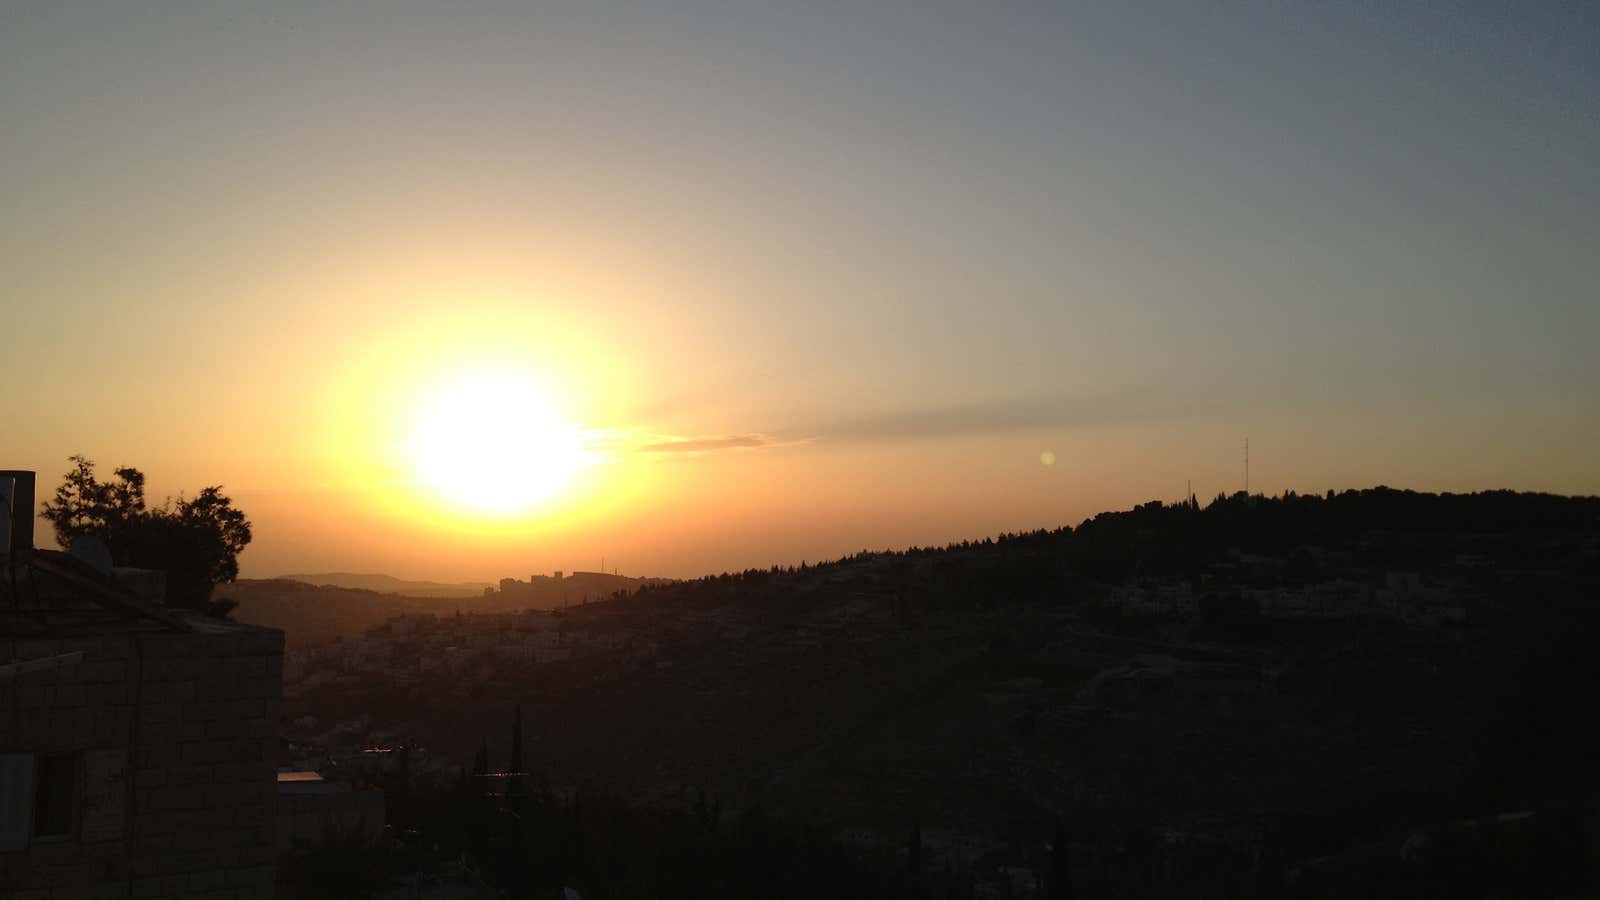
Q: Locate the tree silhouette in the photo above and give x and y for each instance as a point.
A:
(480, 763)
(516, 742)
(516, 779)
(195, 541)
(1060, 883)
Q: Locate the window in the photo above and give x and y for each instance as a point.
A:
(53, 795)
(16, 800)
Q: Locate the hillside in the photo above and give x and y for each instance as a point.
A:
(1367, 663)
(312, 615)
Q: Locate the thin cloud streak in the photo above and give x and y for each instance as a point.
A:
(697, 445)
(993, 417)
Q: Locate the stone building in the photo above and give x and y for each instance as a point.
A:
(136, 742)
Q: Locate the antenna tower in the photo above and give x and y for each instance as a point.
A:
(1247, 467)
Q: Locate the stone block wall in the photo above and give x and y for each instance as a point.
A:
(172, 737)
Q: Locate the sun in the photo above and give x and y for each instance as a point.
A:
(491, 443)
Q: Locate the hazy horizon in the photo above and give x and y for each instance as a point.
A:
(716, 287)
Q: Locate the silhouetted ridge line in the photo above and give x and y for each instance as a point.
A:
(1249, 520)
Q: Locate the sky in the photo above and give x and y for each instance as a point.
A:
(803, 279)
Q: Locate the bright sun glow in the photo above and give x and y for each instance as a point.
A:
(493, 444)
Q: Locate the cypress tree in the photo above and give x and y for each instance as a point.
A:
(1060, 887)
(516, 742)
(516, 786)
(914, 853)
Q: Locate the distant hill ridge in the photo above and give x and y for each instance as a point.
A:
(314, 609)
(388, 584)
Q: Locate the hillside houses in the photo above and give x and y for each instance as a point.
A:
(1263, 586)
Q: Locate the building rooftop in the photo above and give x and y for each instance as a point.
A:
(305, 782)
(52, 594)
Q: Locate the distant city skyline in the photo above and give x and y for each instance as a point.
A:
(460, 292)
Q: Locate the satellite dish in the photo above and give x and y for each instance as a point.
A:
(93, 551)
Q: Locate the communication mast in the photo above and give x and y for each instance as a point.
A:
(1247, 467)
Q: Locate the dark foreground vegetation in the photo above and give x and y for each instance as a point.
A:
(520, 839)
(194, 542)
(1374, 693)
